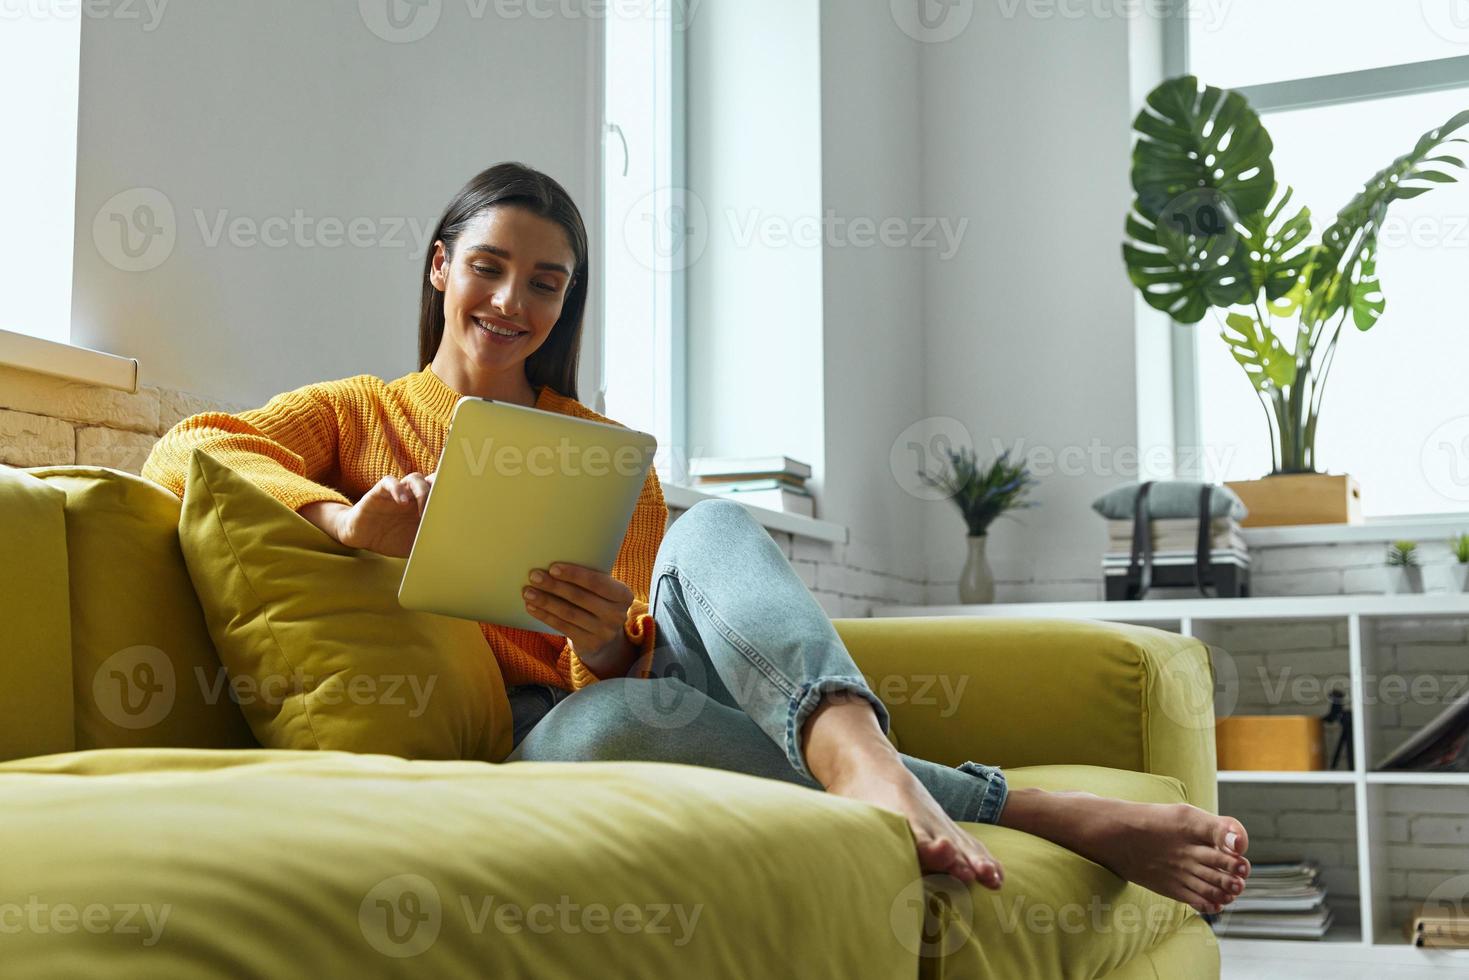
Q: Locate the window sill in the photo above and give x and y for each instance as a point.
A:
(1426, 527)
(799, 525)
(67, 361)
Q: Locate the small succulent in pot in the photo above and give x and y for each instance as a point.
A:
(1404, 573)
(1460, 546)
(982, 494)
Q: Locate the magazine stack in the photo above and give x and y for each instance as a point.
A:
(1280, 901)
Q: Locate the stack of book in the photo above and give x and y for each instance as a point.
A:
(1280, 901)
(1176, 542)
(1438, 925)
(774, 482)
(1177, 534)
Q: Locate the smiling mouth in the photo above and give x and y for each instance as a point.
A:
(496, 330)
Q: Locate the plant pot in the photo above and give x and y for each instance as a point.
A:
(976, 582)
(1461, 577)
(1300, 498)
(1404, 580)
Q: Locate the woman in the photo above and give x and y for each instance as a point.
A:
(731, 663)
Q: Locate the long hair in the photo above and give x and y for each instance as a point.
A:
(554, 362)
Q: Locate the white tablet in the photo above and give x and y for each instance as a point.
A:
(519, 488)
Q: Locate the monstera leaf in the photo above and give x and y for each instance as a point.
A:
(1259, 352)
(1276, 246)
(1184, 276)
(1194, 136)
(1345, 277)
(1201, 168)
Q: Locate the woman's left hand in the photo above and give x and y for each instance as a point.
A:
(588, 606)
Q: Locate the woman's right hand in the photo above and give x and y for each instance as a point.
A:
(385, 519)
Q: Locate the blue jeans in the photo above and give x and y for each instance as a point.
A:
(743, 655)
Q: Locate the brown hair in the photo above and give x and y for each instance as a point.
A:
(554, 362)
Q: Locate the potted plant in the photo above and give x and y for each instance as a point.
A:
(1211, 230)
(1404, 573)
(982, 494)
(1460, 546)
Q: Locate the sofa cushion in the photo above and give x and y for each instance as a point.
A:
(1058, 914)
(144, 671)
(35, 641)
(328, 864)
(321, 654)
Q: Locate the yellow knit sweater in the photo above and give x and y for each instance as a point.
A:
(334, 440)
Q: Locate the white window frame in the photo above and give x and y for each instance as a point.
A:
(1363, 85)
(671, 424)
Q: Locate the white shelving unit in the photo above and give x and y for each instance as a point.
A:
(1379, 940)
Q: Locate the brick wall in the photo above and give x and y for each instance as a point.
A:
(45, 421)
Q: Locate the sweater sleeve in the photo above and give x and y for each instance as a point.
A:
(634, 567)
(288, 447)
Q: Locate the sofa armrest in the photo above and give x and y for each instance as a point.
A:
(1029, 692)
(35, 607)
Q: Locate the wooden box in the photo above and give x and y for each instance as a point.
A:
(1300, 498)
(1284, 743)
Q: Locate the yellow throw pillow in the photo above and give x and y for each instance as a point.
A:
(320, 653)
(144, 671)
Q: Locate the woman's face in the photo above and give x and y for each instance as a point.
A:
(511, 270)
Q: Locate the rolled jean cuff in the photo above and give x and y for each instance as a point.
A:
(990, 791)
(806, 700)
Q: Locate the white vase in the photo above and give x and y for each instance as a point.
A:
(976, 582)
(1404, 579)
(1461, 577)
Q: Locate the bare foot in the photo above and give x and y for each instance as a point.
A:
(1174, 849)
(850, 756)
(942, 845)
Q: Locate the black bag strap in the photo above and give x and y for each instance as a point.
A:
(1140, 561)
(1203, 566)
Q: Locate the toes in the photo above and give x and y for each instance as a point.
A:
(1195, 901)
(1211, 893)
(1229, 884)
(940, 854)
(991, 875)
(1213, 857)
(1232, 836)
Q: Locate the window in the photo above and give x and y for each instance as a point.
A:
(644, 227)
(1395, 403)
(40, 49)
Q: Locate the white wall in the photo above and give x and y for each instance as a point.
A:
(754, 285)
(873, 293)
(1029, 332)
(265, 109)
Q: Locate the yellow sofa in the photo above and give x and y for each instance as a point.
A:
(180, 848)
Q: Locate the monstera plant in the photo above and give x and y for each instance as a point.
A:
(1211, 229)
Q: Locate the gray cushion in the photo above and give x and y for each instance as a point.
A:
(1169, 499)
